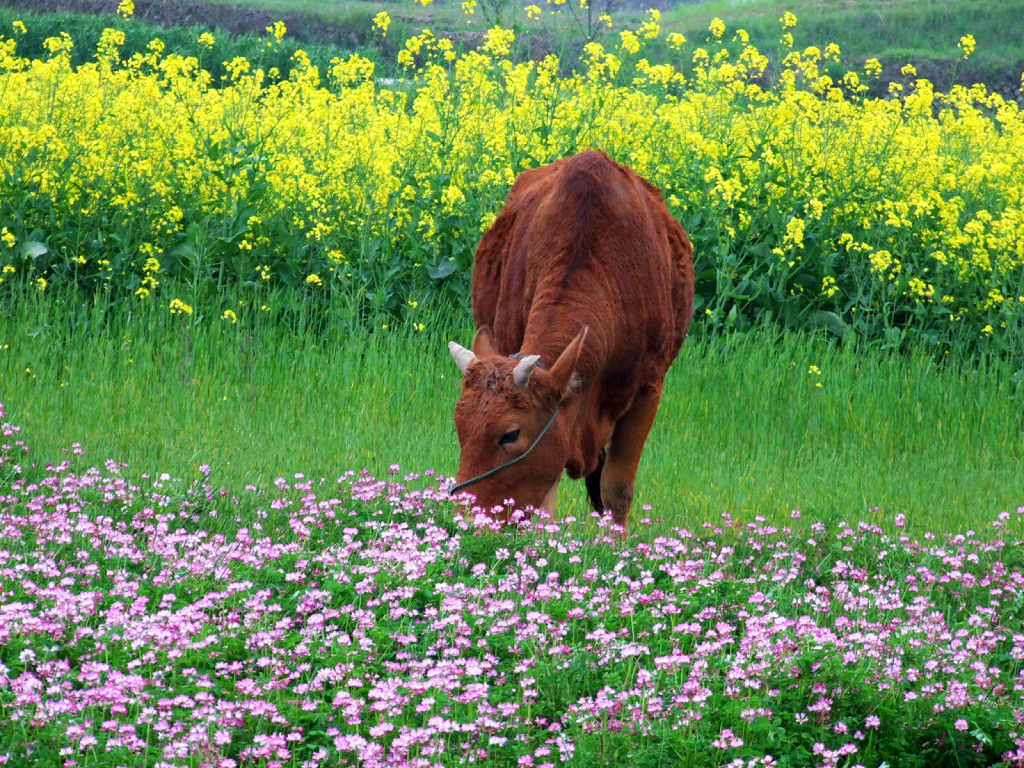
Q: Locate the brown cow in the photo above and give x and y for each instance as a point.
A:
(588, 279)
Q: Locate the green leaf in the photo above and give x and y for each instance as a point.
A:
(442, 270)
(34, 249)
(832, 322)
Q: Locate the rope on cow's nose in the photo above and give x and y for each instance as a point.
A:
(455, 489)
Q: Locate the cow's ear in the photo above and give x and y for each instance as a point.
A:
(483, 342)
(564, 369)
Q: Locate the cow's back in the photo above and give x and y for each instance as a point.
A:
(586, 241)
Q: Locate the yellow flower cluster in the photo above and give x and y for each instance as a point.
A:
(870, 202)
(150, 269)
(967, 44)
(382, 21)
(179, 307)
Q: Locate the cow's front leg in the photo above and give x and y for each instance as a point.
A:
(623, 456)
(593, 481)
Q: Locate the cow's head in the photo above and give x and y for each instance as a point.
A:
(505, 404)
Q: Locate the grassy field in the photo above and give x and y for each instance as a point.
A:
(744, 426)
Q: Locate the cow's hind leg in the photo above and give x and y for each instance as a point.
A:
(619, 471)
(593, 481)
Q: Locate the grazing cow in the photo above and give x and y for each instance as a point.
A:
(582, 296)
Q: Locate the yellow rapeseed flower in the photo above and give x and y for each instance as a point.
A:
(41, 283)
(7, 237)
(58, 45)
(919, 289)
(277, 30)
(788, 20)
(110, 41)
(207, 40)
(382, 21)
(630, 43)
(967, 44)
(498, 41)
(451, 198)
(230, 316)
(675, 40)
(126, 9)
(314, 280)
(179, 307)
(650, 27)
(794, 236)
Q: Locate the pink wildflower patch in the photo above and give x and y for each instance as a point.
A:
(357, 622)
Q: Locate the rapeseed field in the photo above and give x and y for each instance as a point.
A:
(893, 220)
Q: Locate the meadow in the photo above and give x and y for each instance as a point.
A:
(226, 285)
(757, 423)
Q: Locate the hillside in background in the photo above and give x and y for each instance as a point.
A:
(896, 32)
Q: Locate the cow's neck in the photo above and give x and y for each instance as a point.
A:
(550, 343)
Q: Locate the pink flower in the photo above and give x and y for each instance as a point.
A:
(727, 740)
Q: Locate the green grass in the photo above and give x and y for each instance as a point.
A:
(743, 427)
(449, 15)
(894, 31)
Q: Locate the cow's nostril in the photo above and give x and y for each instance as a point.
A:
(509, 437)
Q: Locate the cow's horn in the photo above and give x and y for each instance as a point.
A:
(462, 356)
(524, 369)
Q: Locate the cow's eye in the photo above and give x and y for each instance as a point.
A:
(509, 437)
